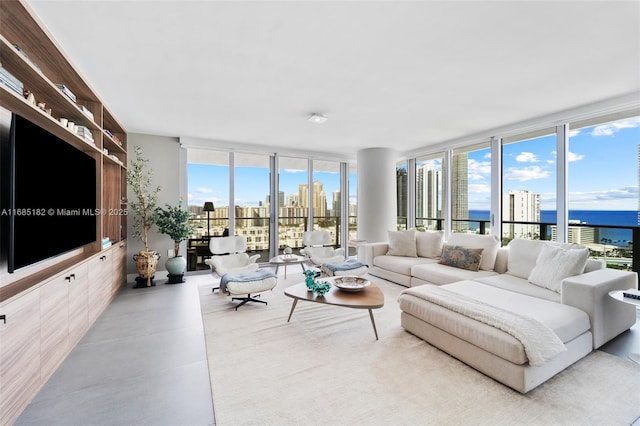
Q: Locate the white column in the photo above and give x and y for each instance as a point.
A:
(376, 193)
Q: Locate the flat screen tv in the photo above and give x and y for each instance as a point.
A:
(49, 199)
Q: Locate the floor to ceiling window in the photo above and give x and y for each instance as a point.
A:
(529, 186)
(293, 200)
(326, 198)
(251, 196)
(208, 182)
(430, 190)
(603, 187)
(352, 211)
(471, 189)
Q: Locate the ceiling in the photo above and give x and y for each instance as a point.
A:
(397, 74)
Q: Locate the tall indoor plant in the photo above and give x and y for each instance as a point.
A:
(139, 178)
(174, 222)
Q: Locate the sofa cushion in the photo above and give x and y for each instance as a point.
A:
(400, 264)
(555, 263)
(438, 274)
(566, 321)
(519, 285)
(402, 243)
(461, 257)
(490, 244)
(429, 243)
(523, 254)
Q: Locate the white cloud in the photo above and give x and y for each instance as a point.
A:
(479, 188)
(573, 133)
(479, 168)
(527, 157)
(487, 156)
(629, 192)
(611, 128)
(572, 156)
(526, 173)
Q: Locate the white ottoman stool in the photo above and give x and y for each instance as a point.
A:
(350, 267)
(248, 283)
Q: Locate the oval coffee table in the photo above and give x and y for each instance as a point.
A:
(371, 297)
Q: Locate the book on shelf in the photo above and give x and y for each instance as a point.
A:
(86, 111)
(11, 81)
(68, 93)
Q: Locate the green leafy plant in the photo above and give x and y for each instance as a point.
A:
(174, 222)
(139, 178)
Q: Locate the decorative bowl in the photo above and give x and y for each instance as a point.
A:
(350, 283)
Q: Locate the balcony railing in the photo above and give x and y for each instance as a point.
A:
(615, 255)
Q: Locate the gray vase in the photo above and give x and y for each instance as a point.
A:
(176, 265)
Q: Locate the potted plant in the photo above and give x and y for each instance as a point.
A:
(139, 178)
(174, 222)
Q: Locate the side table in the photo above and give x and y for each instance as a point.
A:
(618, 295)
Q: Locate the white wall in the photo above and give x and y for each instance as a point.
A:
(165, 159)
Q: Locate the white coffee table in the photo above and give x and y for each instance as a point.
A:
(287, 259)
(617, 294)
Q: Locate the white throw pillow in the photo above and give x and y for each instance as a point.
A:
(402, 243)
(523, 254)
(429, 243)
(555, 263)
(489, 243)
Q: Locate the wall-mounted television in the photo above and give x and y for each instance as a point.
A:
(48, 195)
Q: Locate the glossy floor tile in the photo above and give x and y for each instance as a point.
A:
(143, 362)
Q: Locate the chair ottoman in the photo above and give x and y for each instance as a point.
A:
(349, 267)
(248, 283)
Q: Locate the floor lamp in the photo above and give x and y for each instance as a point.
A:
(208, 207)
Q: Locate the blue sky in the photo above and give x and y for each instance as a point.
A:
(211, 183)
(603, 173)
(603, 168)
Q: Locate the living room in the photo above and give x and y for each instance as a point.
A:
(401, 85)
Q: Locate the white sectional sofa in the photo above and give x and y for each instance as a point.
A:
(552, 286)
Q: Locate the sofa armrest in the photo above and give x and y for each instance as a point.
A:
(368, 251)
(590, 293)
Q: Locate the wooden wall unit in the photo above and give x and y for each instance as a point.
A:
(45, 309)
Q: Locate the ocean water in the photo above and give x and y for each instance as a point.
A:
(619, 237)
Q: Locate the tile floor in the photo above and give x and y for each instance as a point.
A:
(143, 362)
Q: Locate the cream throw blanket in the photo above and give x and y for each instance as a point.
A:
(539, 341)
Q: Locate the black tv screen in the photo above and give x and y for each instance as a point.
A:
(52, 195)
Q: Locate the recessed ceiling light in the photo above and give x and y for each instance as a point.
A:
(317, 118)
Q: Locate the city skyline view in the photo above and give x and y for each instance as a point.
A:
(603, 173)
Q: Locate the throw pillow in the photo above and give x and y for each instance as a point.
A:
(402, 243)
(490, 244)
(429, 243)
(461, 257)
(555, 263)
(523, 254)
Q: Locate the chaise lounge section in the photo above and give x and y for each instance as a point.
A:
(463, 312)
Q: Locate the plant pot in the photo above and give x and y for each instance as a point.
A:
(146, 264)
(176, 265)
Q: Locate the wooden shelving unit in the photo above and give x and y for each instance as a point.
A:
(47, 307)
(29, 54)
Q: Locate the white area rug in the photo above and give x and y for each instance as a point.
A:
(325, 367)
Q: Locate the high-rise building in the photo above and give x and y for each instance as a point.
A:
(460, 191)
(401, 192)
(428, 191)
(521, 206)
(335, 203)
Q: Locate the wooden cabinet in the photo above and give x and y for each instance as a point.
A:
(119, 274)
(100, 283)
(78, 296)
(19, 355)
